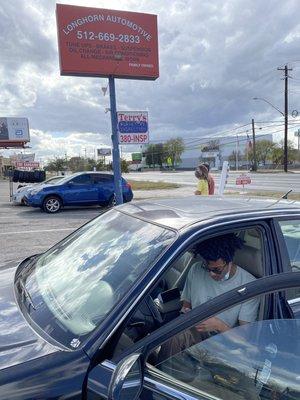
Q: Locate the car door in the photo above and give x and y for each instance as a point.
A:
(80, 190)
(288, 231)
(258, 360)
(105, 187)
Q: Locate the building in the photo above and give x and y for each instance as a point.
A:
(218, 149)
(5, 165)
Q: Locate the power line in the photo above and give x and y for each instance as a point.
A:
(203, 141)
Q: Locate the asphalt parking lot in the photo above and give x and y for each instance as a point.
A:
(25, 231)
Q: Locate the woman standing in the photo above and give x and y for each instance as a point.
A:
(202, 175)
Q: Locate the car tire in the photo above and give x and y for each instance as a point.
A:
(52, 204)
(112, 201)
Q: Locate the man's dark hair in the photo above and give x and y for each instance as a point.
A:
(219, 247)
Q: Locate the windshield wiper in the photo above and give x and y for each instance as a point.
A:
(26, 294)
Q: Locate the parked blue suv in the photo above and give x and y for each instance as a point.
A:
(80, 189)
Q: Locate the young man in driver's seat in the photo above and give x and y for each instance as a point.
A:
(206, 280)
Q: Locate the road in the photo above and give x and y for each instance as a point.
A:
(25, 231)
(279, 182)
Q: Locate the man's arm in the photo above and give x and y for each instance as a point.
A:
(186, 306)
(213, 324)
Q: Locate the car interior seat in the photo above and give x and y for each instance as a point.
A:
(250, 257)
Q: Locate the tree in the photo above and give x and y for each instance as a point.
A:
(278, 153)
(155, 154)
(100, 166)
(173, 149)
(76, 164)
(264, 149)
(232, 158)
(59, 164)
(124, 166)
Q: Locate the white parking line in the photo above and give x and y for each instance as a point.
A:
(39, 231)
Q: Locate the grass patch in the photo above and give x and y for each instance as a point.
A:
(149, 185)
(273, 195)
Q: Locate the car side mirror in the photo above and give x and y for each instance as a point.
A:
(127, 380)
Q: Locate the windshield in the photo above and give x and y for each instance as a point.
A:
(75, 284)
(68, 178)
(53, 180)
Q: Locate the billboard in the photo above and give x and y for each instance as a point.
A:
(101, 42)
(27, 157)
(133, 127)
(14, 130)
(104, 152)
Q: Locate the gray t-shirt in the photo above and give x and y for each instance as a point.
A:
(201, 287)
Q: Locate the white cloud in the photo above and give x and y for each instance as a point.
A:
(214, 58)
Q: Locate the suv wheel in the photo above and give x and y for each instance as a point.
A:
(52, 204)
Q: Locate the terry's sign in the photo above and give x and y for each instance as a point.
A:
(100, 42)
(133, 127)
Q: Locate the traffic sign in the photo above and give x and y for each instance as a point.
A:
(243, 180)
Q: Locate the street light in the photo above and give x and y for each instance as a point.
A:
(285, 115)
(262, 99)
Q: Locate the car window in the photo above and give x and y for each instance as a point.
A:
(291, 233)
(78, 282)
(256, 360)
(102, 178)
(82, 180)
(187, 280)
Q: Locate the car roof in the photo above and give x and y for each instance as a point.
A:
(179, 213)
(93, 172)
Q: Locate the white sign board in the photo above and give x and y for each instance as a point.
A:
(133, 127)
(223, 178)
(104, 152)
(14, 130)
(29, 157)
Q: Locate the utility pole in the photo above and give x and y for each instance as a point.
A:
(254, 147)
(286, 113)
(237, 153)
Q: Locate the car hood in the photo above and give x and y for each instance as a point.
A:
(18, 341)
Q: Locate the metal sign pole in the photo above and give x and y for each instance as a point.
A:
(11, 188)
(115, 141)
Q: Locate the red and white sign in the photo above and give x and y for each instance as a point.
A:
(24, 164)
(133, 127)
(243, 180)
(100, 42)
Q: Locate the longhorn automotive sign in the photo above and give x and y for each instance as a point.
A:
(100, 42)
(133, 127)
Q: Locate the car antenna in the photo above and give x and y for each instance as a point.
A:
(285, 196)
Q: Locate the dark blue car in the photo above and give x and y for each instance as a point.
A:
(80, 189)
(89, 318)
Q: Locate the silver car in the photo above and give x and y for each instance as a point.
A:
(18, 197)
